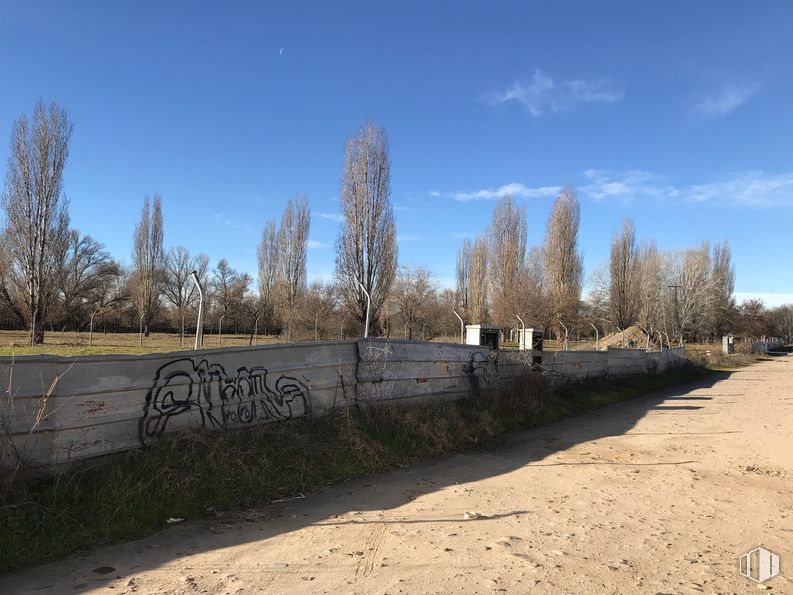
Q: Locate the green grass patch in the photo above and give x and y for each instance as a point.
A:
(189, 475)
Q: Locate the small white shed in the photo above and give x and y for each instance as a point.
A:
(482, 334)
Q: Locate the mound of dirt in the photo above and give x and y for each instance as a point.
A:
(633, 337)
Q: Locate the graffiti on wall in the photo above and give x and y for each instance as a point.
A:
(187, 388)
(480, 368)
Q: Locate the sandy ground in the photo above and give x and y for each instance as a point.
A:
(657, 495)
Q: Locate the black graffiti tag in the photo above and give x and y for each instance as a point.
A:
(480, 368)
(184, 388)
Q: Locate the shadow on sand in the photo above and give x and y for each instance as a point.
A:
(368, 494)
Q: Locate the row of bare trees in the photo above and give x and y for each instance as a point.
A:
(682, 294)
(52, 274)
(499, 277)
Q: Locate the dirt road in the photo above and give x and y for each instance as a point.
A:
(658, 494)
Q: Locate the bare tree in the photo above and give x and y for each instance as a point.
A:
(268, 271)
(318, 316)
(415, 293)
(442, 321)
(250, 312)
(462, 271)
(148, 260)
(651, 287)
(477, 283)
(723, 275)
(753, 319)
(179, 288)
(292, 241)
(508, 261)
(36, 212)
(225, 290)
(536, 305)
(782, 320)
(366, 250)
(561, 258)
(87, 274)
(691, 292)
(598, 307)
(623, 277)
(229, 289)
(9, 302)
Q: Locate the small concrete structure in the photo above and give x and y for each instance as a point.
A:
(530, 338)
(728, 344)
(482, 334)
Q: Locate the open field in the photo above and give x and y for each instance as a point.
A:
(76, 344)
(71, 343)
(661, 493)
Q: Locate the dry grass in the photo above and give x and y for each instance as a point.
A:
(710, 355)
(71, 344)
(191, 475)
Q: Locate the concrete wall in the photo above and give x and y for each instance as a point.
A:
(101, 405)
(64, 409)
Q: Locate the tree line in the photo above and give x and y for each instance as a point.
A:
(53, 276)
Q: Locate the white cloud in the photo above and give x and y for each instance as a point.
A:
(313, 244)
(743, 189)
(627, 185)
(748, 189)
(541, 94)
(726, 100)
(408, 238)
(231, 222)
(513, 189)
(752, 189)
(338, 218)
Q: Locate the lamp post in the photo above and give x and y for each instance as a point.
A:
(462, 326)
(522, 339)
(91, 328)
(565, 346)
(199, 327)
(256, 330)
(597, 337)
(368, 305)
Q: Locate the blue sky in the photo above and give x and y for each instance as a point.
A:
(675, 114)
